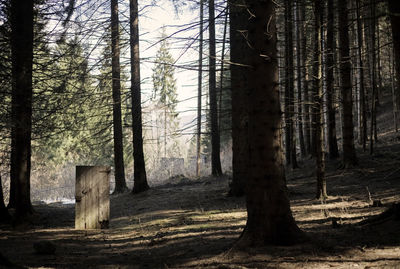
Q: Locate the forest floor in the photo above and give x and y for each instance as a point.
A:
(190, 223)
(193, 224)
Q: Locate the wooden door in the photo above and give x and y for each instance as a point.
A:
(92, 197)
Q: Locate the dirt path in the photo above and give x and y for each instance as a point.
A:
(193, 224)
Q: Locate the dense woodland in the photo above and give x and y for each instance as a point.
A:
(283, 88)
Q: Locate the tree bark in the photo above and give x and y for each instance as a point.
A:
(290, 135)
(318, 106)
(21, 110)
(299, 52)
(306, 106)
(373, 137)
(331, 117)
(199, 90)
(120, 184)
(140, 179)
(216, 169)
(349, 153)
(363, 120)
(239, 70)
(394, 12)
(269, 218)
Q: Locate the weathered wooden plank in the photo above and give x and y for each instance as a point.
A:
(92, 197)
(80, 197)
(104, 197)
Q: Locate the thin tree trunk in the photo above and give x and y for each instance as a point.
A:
(315, 85)
(239, 70)
(349, 153)
(318, 106)
(269, 218)
(306, 106)
(373, 82)
(140, 179)
(289, 89)
(221, 75)
(363, 121)
(120, 184)
(21, 110)
(215, 140)
(299, 52)
(331, 117)
(199, 90)
(394, 12)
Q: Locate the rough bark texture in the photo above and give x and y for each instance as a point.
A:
(349, 153)
(318, 106)
(120, 184)
(21, 110)
(216, 169)
(239, 69)
(199, 90)
(331, 126)
(394, 11)
(269, 219)
(140, 179)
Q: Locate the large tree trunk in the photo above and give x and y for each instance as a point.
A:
(331, 117)
(269, 219)
(363, 114)
(120, 184)
(216, 169)
(318, 106)
(21, 110)
(394, 12)
(199, 90)
(349, 153)
(239, 66)
(140, 179)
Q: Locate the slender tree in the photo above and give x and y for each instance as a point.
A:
(269, 218)
(215, 138)
(349, 153)
(290, 135)
(199, 89)
(140, 179)
(331, 113)
(239, 50)
(363, 114)
(374, 94)
(394, 13)
(318, 104)
(120, 184)
(299, 71)
(305, 76)
(21, 109)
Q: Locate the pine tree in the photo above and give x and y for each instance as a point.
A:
(164, 89)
